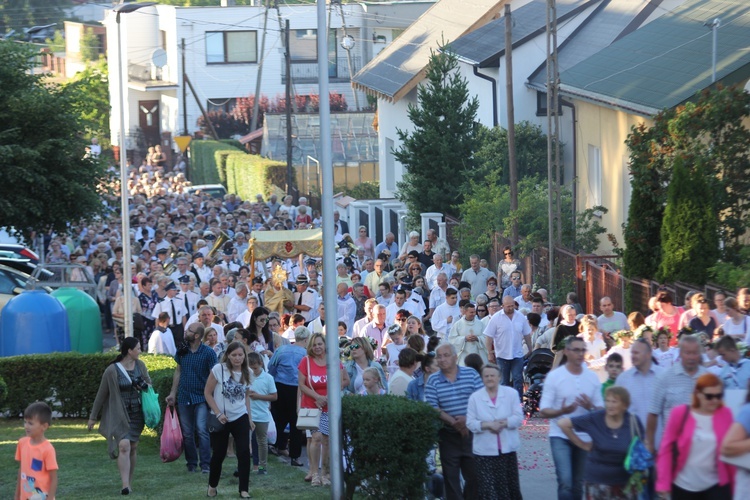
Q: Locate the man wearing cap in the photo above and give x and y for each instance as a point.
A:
(210, 238)
(305, 299)
(227, 263)
(161, 256)
(176, 310)
(200, 270)
(182, 270)
(187, 296)
(194, 363)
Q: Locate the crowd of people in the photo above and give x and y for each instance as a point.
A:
(412, 321)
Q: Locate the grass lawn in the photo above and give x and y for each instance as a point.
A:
(86, 471)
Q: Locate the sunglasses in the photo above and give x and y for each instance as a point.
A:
(578, 351)
(507, 253)
(262, 320)
(481, 310)
(356, 346)
(401, 320)
(711, 397)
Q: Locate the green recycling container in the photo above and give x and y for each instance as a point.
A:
(83, 318)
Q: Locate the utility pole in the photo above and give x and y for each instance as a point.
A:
(550, 170)
(256, 103)
(512, 166)
(288, 97)
(556, 120)
(184, 92)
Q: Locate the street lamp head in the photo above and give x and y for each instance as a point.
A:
(347, 42)
(126, 8)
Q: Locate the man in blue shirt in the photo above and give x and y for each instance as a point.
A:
(448, 391)
(283, 368)
(194, 363)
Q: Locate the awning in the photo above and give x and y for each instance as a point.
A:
(286, 244)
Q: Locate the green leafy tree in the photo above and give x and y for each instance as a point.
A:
(57, 43)
(690, 244)
(19, 14)
(93, 83)
(47, 180)
(440, 151)
(709, 132)
(492, 152)
(90, 46)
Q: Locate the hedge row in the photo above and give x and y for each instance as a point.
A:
(248, 175)
(386, 442)
(68, 382)
(205, 169)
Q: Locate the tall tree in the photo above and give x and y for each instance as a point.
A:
(48, 182)
(93, 83)
(440, 150)
(690, 242)
(710, 132)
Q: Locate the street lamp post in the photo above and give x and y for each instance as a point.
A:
(127, 278)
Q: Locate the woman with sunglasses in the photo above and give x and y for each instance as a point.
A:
(362, 358)
(689, 464)
(507, 266)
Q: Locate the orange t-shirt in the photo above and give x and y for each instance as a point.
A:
(36, 462)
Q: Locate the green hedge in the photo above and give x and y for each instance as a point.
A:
(386, 442)
(204, 168)
(248, 175)
(68, 382)
(3, 391)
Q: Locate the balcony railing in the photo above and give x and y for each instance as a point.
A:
(307, 72)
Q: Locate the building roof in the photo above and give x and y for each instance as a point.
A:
(668, 61)
(486, 45)
(611, 20)
(398, 68)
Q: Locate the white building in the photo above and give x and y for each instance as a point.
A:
(222, 56)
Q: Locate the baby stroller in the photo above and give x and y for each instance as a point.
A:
(537, 367)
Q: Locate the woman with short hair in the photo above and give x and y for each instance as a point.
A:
(493, 416)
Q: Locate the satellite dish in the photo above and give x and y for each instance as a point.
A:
(159, 58)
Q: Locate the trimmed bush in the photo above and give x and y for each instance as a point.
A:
(205, 168)
(248, 175)
(68, 382)
(386, 442)
(3, 391)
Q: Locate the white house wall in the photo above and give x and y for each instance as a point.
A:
(392, 116)
(142, 35)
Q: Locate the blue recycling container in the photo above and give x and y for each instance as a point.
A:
(33, 322)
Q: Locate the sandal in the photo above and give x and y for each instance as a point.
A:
(244, 494)
(209, 491)
(325, 480)
(309, 477)
(316, 481)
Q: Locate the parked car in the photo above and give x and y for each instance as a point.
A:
(12, 283)
(215, 190)
(18, 251)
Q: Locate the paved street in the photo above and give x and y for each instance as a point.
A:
(537, 471)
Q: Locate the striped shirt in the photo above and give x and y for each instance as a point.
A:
(452, 397)
(673, 387)
(194, 370)
(641, 387)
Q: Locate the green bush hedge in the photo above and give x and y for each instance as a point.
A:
(248, 175)
(205, 169)
(386, 442)
(3, 391)
(68, 381)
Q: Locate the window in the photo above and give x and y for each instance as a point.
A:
(594, 177)
(303, 46)
(231, 47)
(224, 104)
(541, 104)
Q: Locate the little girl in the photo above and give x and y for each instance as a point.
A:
(595, 345)
(372, 385)
(392, 349)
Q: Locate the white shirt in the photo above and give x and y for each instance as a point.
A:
(437, 297)
(310, 299)
(162, 343)
(347, 311)
(236, 307)
(740, 332)
(166, 306)
(440, 317)
(522, 304)
(700, 472)
(562, 386)
(508, 334)
(244, 318)
(390, 312)
(617, 322)
(430, 276)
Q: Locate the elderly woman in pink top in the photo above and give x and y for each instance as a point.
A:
(688, 464)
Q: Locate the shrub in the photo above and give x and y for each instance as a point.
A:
(205, 168)
(386, 442)
(3, 391)
(68, 381)
(248, 175)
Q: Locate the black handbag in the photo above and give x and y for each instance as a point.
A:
(214, 425)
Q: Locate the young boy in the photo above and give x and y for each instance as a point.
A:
(162, 340)
(37, 474)
(614, 368)
(262, 393)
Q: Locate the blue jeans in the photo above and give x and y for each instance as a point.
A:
(512, 369)
(194, 420)
(570, 462)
